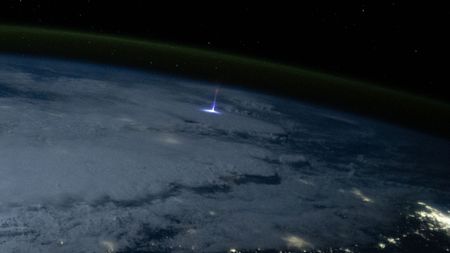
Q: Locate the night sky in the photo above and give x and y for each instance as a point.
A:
(400, 44)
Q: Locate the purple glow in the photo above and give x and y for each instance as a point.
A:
(213, 106)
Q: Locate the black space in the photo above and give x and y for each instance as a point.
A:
(401, 44)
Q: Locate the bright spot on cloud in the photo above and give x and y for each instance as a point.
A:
(436, 219)
(213, 111)
(58, 115)
(392, 240)
(306, 182)
(171, 140)
(297, 242)
(125, 119)
(109, 246)
(361, 195)
(381, 245)
(191, 231)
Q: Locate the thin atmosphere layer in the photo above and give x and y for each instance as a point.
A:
(395, 106)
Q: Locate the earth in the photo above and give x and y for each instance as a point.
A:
(96, 158)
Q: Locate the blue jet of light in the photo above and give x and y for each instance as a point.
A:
(213, 106)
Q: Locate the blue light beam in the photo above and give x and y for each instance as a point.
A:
(213, 105)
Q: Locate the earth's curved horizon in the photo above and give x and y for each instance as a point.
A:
(97, 158)
(365, 98)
